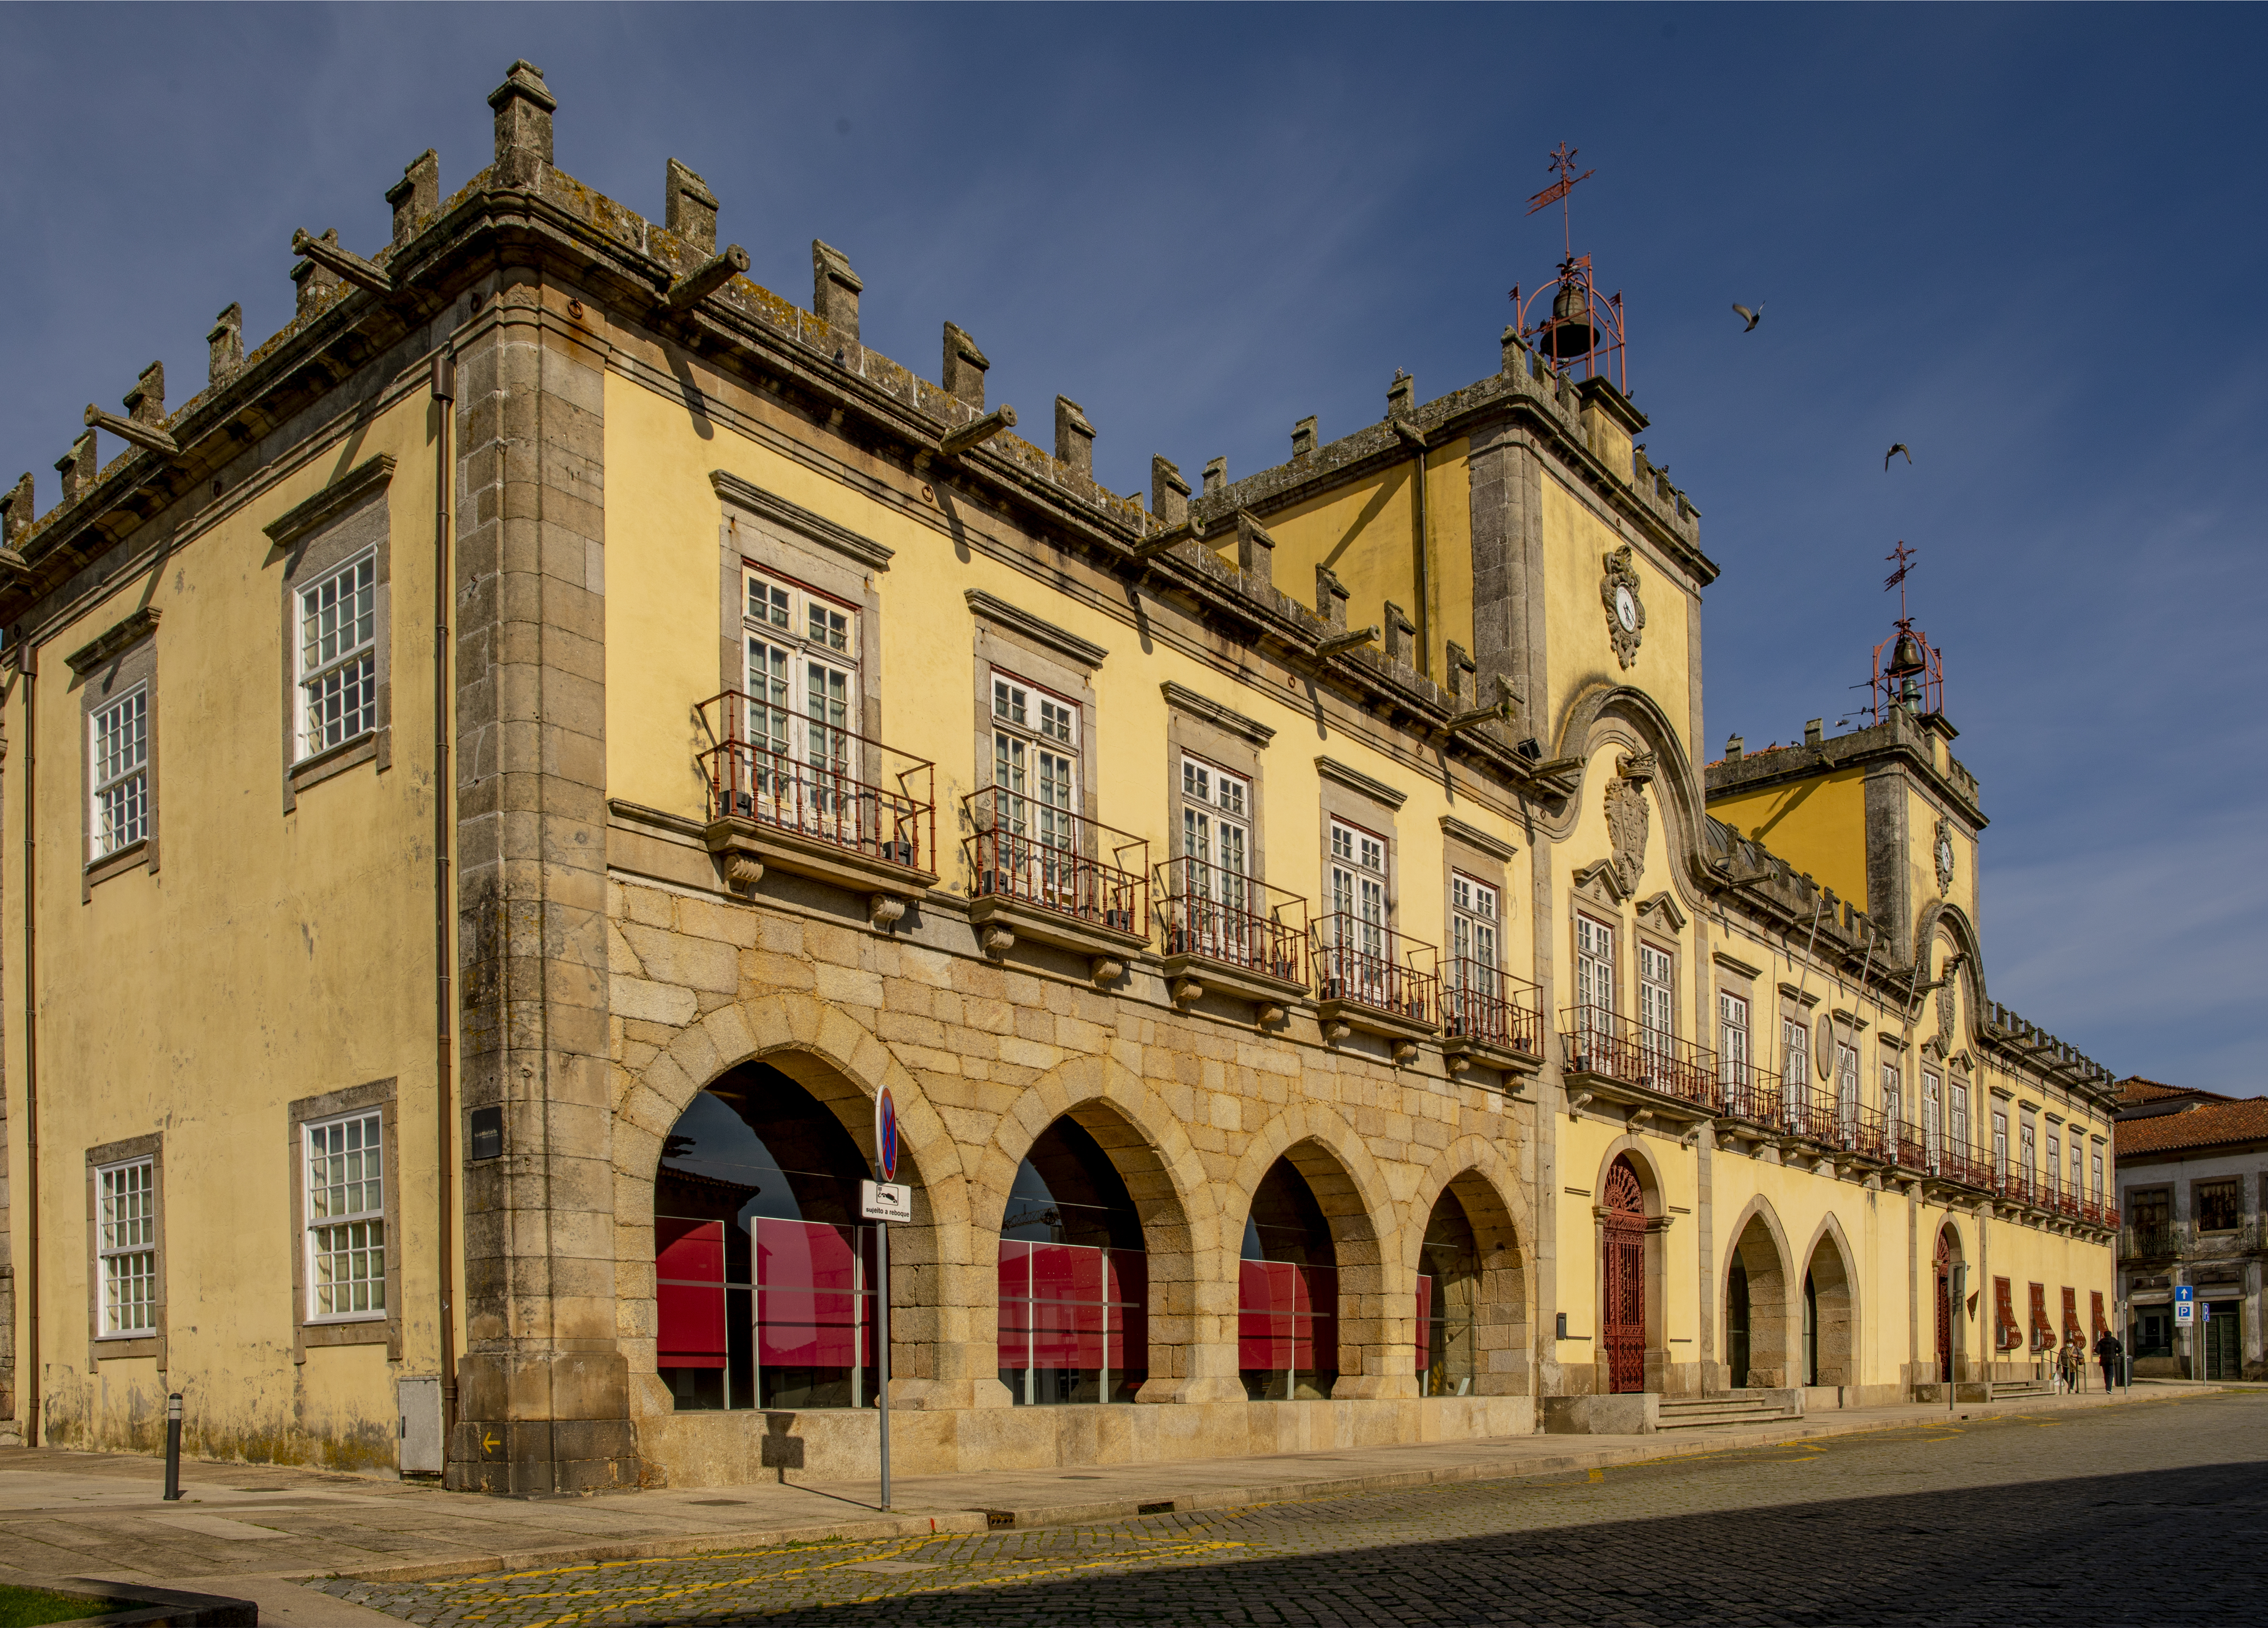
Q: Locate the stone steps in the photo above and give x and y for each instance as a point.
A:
(1732, 1407)
(2004, 1391)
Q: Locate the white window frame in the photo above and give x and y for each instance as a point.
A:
(2054, 1162)
(799, 670)
(1476, 938)
(364, 1224)
(334, 670)
(1657, 998)
(1796, 1062)
(1999, 1141)
(1036, 762)
(1957, 1114)
(126, 1246)
(2098, 1176)
(1359, 873)
(1732, 1038)
(1846, 1087)
(1894, 1091)
(1595, 976)
(1216, 840)
(119, 771)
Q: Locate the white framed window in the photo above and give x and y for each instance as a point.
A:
(1035, 747)
(119, 744)
(1796, 1062)
(2078, 1168)
(1959, 1099)
(2098, 1176)
(1846, 1087)
(1216, 824)
(1595, 967)
(1733, 1037)
(1474, 914)
(1657, 997)
(1999, 1143)
(126, 1246)
(1358, 878)
(1933, 1121)
(1893, 1097)
(346, 1217)
(338, 656)
(2055, 1159)
(802, 685)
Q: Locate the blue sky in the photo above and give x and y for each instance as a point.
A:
(2027, 241)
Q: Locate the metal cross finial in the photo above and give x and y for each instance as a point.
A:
(1564, 161)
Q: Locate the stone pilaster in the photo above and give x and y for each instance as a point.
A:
(542, 1390)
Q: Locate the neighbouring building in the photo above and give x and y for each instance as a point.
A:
(500, 782)
(2192, 1191)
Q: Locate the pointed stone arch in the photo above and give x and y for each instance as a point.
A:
(1830, 1267)
(1165, 1176)
(1475, 1170)
(1633, 1149)
(1366, 1227)
(1759, 1245)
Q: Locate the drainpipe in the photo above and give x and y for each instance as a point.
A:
(29, 656)
(445, 947)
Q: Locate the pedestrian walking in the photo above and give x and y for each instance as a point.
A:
(2108, 1350)
(2070, 1365)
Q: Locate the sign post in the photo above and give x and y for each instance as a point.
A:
(883, 1201)
(1956, 1285)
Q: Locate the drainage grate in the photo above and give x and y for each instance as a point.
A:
(1162, 1508)
(995, 1519)
(719, 1503)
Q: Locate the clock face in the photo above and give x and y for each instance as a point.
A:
(1626, 610)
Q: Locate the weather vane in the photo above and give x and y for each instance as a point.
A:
(1563, 161)
(1905, 557)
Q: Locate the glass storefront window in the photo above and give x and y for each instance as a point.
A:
(1074, 1280)
(1287, 1296)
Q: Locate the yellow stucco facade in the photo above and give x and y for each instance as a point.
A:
(1432, 971)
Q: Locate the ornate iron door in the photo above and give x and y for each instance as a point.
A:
(1624, 1237)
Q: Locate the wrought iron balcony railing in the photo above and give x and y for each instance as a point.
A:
(1366, 963)
(1024, 850)
(1596, 1041)
(819, 782)
(1221, 916)
(1484, 1003)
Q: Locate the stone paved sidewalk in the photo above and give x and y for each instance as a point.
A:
(86, 1514)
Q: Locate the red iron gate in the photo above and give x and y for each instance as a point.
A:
(1944, 1309)
(1624, 1240)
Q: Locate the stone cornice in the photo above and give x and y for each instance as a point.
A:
(768, 506)
(1186, 700)
(366, 477)
(1355, 780)
(119, 636)
(1476, 839)
(997, 611)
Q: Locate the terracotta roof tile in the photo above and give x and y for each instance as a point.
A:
(2205, 1125)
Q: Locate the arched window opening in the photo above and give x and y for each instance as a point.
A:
(1074, 1281)
(1947, 1258)
(763, 1277)
(1736, 1324)
(1288, 1295)
(1448, 1302)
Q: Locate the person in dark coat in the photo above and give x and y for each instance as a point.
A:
(2108, 1350)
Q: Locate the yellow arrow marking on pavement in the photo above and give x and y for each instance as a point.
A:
(488, 1442)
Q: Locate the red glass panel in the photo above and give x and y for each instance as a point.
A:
(688, 1250)
(807, 1345)
(1425, 1320)
(1128, 1279)
(799, 1255)
(1015, 1335)
(689, 1319)
(1066, 1271)
(1015, 1271)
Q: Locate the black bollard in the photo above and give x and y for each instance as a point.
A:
(174, 1448)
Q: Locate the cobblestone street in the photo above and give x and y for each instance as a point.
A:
(2074, 1518)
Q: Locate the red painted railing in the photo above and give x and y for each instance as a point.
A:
(1485, 1004)
(1019, 848)
(1367, 964)
(1595, 1041)
(1218, 915)
(799, 774)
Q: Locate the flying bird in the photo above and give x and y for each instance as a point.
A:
(1753, 317)
(1896, 448)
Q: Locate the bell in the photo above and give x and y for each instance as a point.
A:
(1570, 333)
(1906, 658)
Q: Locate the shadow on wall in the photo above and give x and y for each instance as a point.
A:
(2108, 1549)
